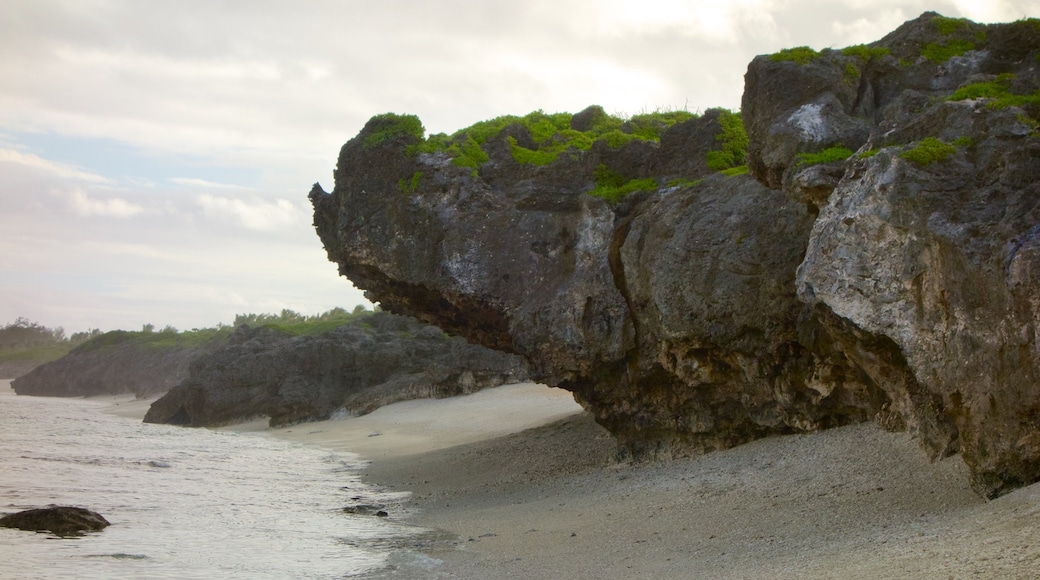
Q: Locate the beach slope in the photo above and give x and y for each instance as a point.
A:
(525, 486)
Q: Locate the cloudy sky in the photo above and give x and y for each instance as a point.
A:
(155, 156)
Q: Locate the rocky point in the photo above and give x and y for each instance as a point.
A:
(877, 258)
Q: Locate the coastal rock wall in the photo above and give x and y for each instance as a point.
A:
(880, 261)
(356, 368)
(111, 365)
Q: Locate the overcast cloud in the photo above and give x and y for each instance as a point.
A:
(155, 156)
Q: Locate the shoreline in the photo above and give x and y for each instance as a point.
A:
(520, 482)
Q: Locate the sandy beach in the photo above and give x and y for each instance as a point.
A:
(520, 483)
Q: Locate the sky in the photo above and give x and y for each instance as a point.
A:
(155, 156)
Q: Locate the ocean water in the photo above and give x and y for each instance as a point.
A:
(183, 503)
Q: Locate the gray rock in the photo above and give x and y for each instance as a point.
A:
(110, 365)
(59, 520)
(699, 317)
(356, 368)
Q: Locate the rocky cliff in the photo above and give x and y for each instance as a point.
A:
(116, 362)
(879, 259)
(360, 366)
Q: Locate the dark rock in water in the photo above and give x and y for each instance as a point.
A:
(365, 364)
(366, 510)
(59, 520)
(881, 260)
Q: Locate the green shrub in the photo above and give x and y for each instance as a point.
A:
(1015, 101)
(410, 185)
(551, 134)
(947, 26)
(826, 156)
(734, 171)
(733, 143)
(613, 186)
(531, 156)
(928, 151)
(868, 153)
(615, 138)
(940, 53)
(851, 74)
(650, 126)
(865, 52)
(998, 90)
(985, 90)
(962, 142)
(433, 144)
(468, 154)
(683, 182)
(389, 126)
(614, 194)
(800, 54)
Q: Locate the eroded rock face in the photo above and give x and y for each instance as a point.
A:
(671, 316)
(115, 366)
(944, 265)
(356, 368)
(899, 284)
(925, 261)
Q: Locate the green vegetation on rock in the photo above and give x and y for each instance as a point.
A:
(734, 171)
(960, 39)
(947, 26)
(683, 182)
(800, 54)
(613, 186)
(551, 134)
(997, 91)
(865, 52)
(390, 126)
(826, 156)
(733, 143)
(942, 52)
(410, 185)
(928, 151)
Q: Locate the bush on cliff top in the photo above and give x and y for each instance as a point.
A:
(551, 134)
(389, 126)
(287, 321)
(800, 54)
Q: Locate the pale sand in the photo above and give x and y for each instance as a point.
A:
(127, 406)
(522, 484)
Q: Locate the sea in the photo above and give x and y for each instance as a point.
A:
(187, 503)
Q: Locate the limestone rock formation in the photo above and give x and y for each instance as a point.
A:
(111, 364)
(880, 261)
(59, 520)
(367, 363)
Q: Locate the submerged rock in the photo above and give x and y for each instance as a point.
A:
(59, 520)
(880, 261)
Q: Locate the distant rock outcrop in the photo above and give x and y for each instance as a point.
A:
(881, 260)
(111, 364)
(360, 366)
(59, 520)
